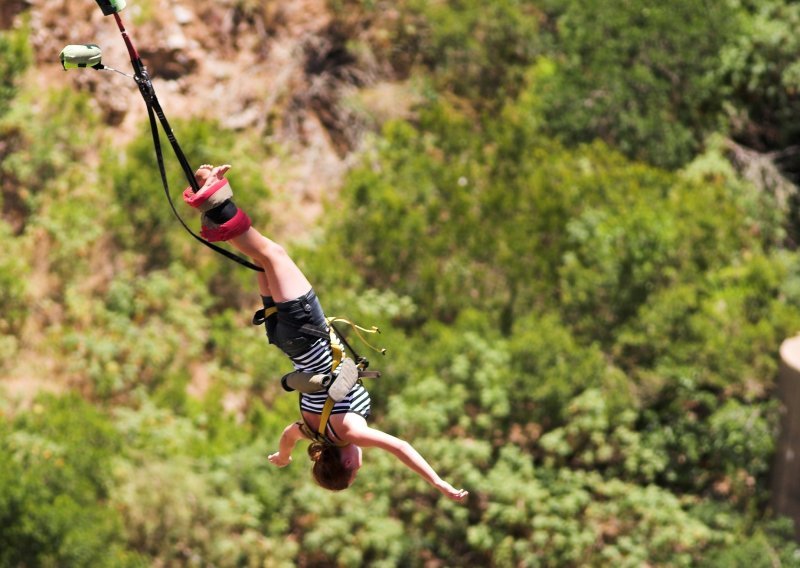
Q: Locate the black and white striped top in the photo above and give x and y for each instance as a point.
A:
(317, 359)
(357, 401)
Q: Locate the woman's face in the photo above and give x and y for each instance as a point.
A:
(350, 456)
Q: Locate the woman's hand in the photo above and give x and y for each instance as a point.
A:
(280, 460)
(452, 492)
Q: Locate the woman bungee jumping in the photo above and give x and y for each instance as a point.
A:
(334, 405)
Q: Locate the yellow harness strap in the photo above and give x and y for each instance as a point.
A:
(357, 329)
(338, 354)
(326, 413)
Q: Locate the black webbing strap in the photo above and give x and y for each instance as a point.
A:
(153, 109)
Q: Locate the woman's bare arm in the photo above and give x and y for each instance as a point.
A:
(291, 434)
(367, 437)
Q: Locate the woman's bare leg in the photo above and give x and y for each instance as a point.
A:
(282, 279)
(263, 285)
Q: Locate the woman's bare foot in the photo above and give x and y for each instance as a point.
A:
(213, 176)
(202, 174)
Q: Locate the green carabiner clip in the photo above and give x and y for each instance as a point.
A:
(81, 56)
(111, 6)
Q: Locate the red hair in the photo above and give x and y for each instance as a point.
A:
(328, 470)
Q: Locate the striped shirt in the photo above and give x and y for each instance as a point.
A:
(317, 359)
(356, 401)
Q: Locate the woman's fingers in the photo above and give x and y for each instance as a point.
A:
(276, 459)
(452, 492)
(459, 495)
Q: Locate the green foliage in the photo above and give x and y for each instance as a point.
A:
(207, 491)
(46, 187)
(15, 57)
(549, 367)
(351, 536)
(54, 479)
(584, 342)
(478, 50)
(770, 545)
(14, 274)
(413, 207)
(648, 236)
(751, 305)
(561, 517)
(143, 333)
(638, 75)
(765, 208)
(750, 295)
(243, 356)
(475, 50)
(761, 75)
(178, 512)
(743, 439)
(595, 437)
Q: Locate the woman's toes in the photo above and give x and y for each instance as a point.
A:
(220, 171)
(202, 173)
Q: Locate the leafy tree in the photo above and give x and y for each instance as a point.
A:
(561, 517)
(56, 471)
(208, 493)
(683, 327)
(473, 50)
(759, 71)
(13, 297)
(407, 213)
(15, 57)
(478, 51)
(177, 512)
(44, 177)
(638, 75)
(646, 237)
(139, 335)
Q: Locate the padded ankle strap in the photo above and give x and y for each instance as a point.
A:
(210, 197)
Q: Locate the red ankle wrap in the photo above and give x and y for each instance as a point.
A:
(197, 199)
(230, 229)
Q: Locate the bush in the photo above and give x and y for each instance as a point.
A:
(760, 75)
(14, 277)
(638, 76)
(144, 333)
(15, 57)
(648, 236)
(560, 517)
(55, 465)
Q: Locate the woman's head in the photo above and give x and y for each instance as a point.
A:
(334, 467)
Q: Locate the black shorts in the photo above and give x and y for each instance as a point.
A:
(288, 332)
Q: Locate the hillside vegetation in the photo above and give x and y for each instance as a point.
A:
(575, 223)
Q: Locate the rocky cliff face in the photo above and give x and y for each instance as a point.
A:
(281, 69)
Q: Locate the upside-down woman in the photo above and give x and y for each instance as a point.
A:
(296, 323)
